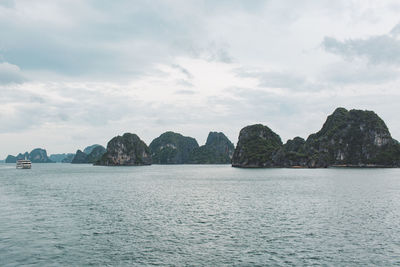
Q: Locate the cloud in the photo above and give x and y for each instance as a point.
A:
(10, 73)
(379, 49)
(280, 79)
(7, 3)
(185, 92)
(75, 72)
(183, 70)
(358, 72)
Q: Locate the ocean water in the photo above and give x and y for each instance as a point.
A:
(79, 215)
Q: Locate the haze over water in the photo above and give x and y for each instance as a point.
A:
(56, 214)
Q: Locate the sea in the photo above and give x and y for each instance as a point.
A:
(198, 215)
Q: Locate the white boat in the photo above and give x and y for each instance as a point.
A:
(24, 164)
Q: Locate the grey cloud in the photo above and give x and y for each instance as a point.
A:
(218, 52)
(184, 83)
(357, 72)
(183, 70)
(10, 73)
(79, 107)
(7, 3)
(396, 30)
(104, 39)
(381, 49)
(185, 92)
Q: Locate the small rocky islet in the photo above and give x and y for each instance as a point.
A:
(348, 138)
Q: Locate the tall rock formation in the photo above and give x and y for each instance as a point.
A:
(217, 150)
(39, 155)
(354, 138)
(172, 148)
(126, 150)
(256, 147)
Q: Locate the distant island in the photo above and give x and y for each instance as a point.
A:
(37, 155)
(90, 154)
(355, 138)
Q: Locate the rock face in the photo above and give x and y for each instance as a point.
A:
(172, 148)
(217, 150)
(96, 152)
(256, 147)
(126, 150)
(38, 155)
(354, 138)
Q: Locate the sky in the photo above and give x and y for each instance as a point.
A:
(79, 72)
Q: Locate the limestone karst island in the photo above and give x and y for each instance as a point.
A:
(348, 138)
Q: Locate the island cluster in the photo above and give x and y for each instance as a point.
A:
(355, 138)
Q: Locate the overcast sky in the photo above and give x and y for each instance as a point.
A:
(75, 72)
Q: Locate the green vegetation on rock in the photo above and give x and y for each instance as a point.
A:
(172, 148)
(256, 147)
(126, 150)
(217, 150)
(95, 154)
(348, 138)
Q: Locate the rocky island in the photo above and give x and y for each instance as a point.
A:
(172, 148)
(217, 150)
(354, 138)
(126, 150)
(90, 154)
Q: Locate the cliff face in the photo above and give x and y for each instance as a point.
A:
(172, 148)
(126, 150)
(217, 150)
(39, 155)
(256, 147)
(347, 138)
